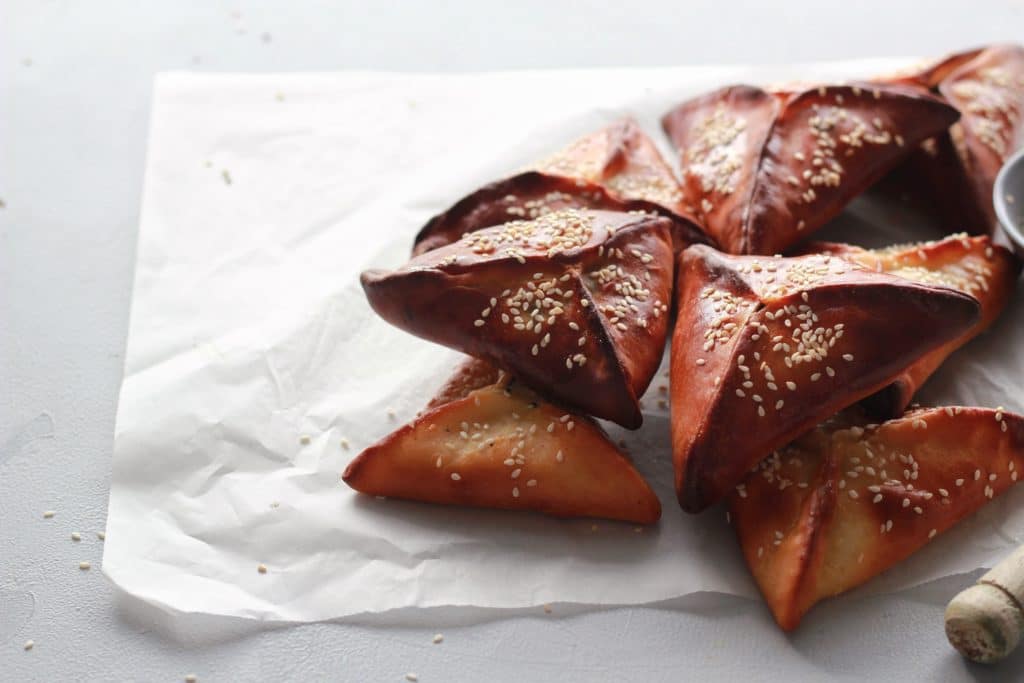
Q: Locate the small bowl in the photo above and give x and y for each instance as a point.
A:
(1008, 197)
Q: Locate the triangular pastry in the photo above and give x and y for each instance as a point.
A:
(763, 169)
(617, 168)
(973, 265)
(767, 347)
(955, 171)
(848, 500)
(574, 303)
(532, 194)
(503, 446)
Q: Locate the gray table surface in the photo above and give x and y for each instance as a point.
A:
(75, 82)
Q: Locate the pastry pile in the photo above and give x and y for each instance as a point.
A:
(793, 362)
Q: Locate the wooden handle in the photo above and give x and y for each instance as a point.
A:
(986, 621)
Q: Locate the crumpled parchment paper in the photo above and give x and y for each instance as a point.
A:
(252, 355)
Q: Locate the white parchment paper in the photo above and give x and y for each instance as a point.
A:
(265, 196)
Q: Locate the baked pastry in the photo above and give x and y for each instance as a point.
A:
(617, 168)
(573, 303)
(763, 169)
(532, 194)
(624, 160)
(503, 446)
(848, 500)
(955, 171)
(973, 265)
(767, 347)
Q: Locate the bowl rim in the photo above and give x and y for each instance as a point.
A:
(999, 192)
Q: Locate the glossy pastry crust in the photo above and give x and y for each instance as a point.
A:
(574, 303)
(763, 169)
(955, 171)
(972, 265)
(503, 446)
(848, 500)
(532, 194)
(767, 347)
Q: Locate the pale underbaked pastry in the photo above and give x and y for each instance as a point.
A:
(763, 169)
(973, 265)
(765, 348)
(848, 500)
(498, 444)
(574, 303)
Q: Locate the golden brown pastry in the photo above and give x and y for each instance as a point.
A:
(503, 446)
(955, 171)
(624, 160)
(763, 169)
(973, 265)
(617, 168)
(574, 303)
(846, 501)
(767, 347)
(532, 194)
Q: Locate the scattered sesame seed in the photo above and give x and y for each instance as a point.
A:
(438, 638)
(411, 677)
(547, 609)
(226, 175)
(191, 678)
(49, 514)
(29, 644)
(101, 535)
(344, 444)
(75, 536)
(456, 476)
(931, 534)
(84, 566)
(261, 568)
(304, 440)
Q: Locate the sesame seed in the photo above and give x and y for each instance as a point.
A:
(700, 361)
(559, 456)
(100, 535)
(848, 357)
(344, 444)
(931, 534)
(29, 644)
(760, 411)
(959, 482)
(304, 440)
(515, 491)
(85, 566)
(531, 482)
(516, 472)
(977, 475)
(261, 568)
(75, 536)
(456, 476)
(877, 498)
(992, 477)
(547, 609)
(49, 514)
(791, 386)
(411, 677)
